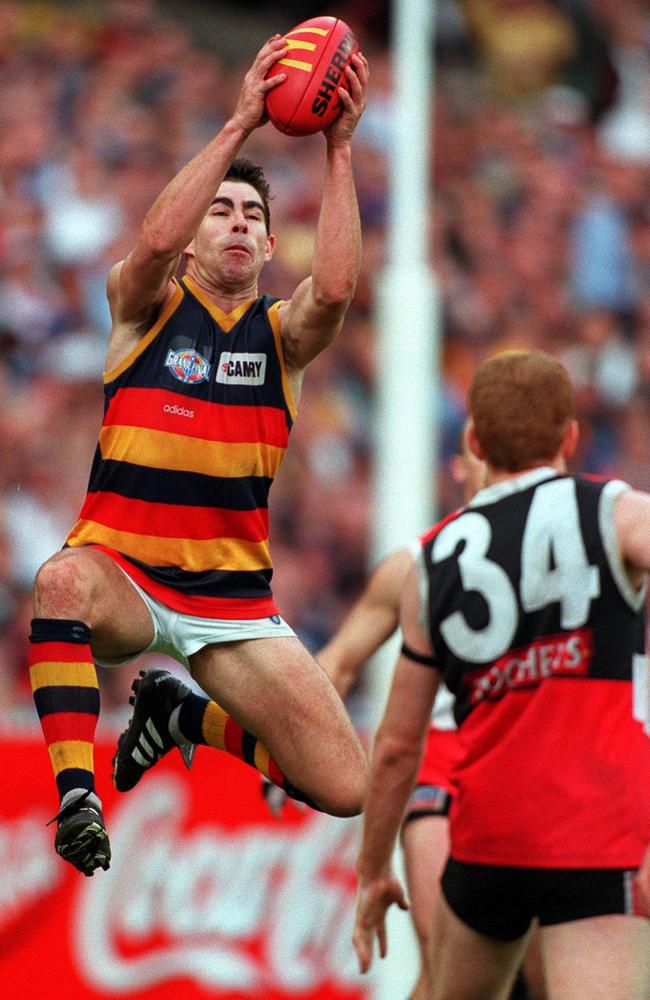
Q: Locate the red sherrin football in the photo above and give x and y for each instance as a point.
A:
(307, 101)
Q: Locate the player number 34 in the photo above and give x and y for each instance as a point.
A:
(554, 569)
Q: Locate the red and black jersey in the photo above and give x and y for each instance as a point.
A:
(538, 633)
(196, 424)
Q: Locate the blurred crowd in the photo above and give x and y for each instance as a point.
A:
(540, 237)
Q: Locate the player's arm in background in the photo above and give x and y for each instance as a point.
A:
(396, 756)
(140, 285)
(314, 315)
(373, 619)
(632, 523)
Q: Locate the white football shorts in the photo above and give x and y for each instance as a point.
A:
(179, 635)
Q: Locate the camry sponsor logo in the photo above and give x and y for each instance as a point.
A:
(241, 369)
(565, 655)
(188, 366)
(215, 906)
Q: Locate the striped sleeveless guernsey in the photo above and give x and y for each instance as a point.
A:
(196, 424)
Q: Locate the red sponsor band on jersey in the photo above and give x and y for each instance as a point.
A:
(568, 654)
(168, 520)
(158, 409)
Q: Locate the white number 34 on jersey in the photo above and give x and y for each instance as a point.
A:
(554, 569)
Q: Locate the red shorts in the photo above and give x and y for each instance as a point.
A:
(435, 787)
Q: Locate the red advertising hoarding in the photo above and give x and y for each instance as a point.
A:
(208, 895)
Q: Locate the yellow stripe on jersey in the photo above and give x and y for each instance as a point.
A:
(232, 554)
(274, 320)
(51, 674)
(296, 64)
(176, 452)
(71, 753)
(225, 320)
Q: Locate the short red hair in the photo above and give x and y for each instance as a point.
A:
(521, 404)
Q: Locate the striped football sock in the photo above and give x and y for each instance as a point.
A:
(202, 721)
(66, 695)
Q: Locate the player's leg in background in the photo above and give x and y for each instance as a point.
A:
(277, 692)
(598, 958)
(467, 965)
(533, 967)
(425, 844)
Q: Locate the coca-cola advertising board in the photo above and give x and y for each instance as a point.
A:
(208, 894)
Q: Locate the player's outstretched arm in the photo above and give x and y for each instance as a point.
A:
(372, 619)
(396, 757)
(140, 284)
(314, 315)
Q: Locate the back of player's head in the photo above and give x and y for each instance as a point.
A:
(521, 403)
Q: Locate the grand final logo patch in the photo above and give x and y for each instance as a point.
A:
(188, 366)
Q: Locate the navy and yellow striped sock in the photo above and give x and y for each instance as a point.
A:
(66, 695)
(202, 721)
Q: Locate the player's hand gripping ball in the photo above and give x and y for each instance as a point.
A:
(318, 52)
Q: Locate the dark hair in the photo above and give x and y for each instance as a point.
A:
(243, 169)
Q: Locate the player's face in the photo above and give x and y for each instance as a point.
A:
(232, 243)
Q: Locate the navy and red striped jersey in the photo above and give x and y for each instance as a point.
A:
(539, 634)
(196, 424)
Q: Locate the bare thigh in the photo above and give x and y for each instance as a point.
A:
(86, 585)
(467, 965)
(598, 958)
(279, 693)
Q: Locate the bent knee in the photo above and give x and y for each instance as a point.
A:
(346, 796)
(341, 807)
(63, 587)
